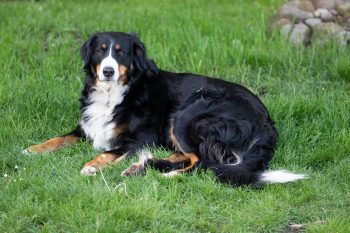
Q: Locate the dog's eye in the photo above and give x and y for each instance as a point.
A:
(120, 53)
(99, 51)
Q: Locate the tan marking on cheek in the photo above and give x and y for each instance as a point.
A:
(97, 69)
(122, 69)
(123, 78)
(53, 144)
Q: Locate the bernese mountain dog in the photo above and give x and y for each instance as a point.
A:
(129, 104)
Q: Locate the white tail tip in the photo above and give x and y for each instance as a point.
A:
(280, 176)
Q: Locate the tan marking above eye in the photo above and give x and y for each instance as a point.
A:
(117, 46)
(104, 46)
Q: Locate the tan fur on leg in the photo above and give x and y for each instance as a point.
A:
(193, 158)
(99, 162)
(138, 168)
(51, 145)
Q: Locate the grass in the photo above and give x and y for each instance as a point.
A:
(306, 90)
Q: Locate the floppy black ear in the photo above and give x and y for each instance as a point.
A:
(138, 53)
(140, 60)
(86, 51)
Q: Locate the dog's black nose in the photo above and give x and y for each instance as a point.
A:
(108, 71)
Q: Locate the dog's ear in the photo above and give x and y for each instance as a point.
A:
(139, 56)
(138, 52)
(86, 51)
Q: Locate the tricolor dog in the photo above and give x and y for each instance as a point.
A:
(128, 104)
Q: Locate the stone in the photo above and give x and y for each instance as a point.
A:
(324, 14)
(278, 24)
(313, 22)
(344, 9)
(326, 4)
(334, 12)
(292, 12)
(324, 20)
(324, 32)
(305, 5)
(343, 37)
(346, 25)
(337, 2)
(340, 19)
(298, 34)
(286, 29)
(327, 29)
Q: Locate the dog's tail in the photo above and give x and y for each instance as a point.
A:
(242, 174)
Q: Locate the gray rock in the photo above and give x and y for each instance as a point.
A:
(277, 24)
(326, 4)
(325, 32)
(341, 19)
(327, 29)
(298, 21)
(292, 12)
(334, 12)
(313, 22)
(298, 34)
(344, 9)
(305, 5)
(337, 2)
(286, 29)
(324, 14)
(343, 37)
(346, 24)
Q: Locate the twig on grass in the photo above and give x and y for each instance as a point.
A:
(103, 177)
(121, 186)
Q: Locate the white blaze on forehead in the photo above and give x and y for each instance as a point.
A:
(109, 61)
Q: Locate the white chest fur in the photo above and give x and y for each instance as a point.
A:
(97, 117)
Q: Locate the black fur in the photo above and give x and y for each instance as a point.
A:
(221, 122)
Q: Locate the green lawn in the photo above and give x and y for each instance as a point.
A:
(307, 92)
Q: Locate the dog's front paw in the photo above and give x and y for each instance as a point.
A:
(88, 171)
(135, 169)
(171, 174)
(28, 151)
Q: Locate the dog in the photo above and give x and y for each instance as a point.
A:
(128, 104)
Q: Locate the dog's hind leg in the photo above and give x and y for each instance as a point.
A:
(193, 159)
(55, 143)
(175, 161)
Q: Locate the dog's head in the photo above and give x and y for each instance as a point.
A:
(115, 56)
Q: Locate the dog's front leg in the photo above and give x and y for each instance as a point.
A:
(56, 143)
(109, 158)
(101, 161)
